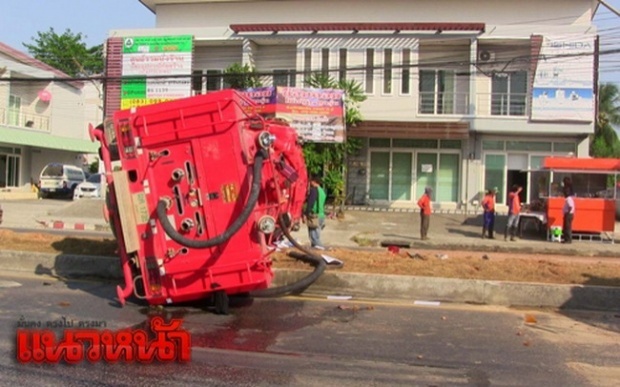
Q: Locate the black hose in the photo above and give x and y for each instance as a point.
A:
(296, 287)
(234, 227)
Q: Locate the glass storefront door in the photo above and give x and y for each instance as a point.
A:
(393, 177)
(401, 175)
(379, 175)
(448, 178)
(426, 172)
(9, 171)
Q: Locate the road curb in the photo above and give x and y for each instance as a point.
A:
(76, 226)
(356, 285)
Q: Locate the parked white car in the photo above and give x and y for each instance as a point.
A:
(91, 188)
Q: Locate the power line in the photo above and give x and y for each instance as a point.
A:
(440, 63)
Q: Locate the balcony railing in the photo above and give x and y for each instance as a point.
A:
(502, 104)
(486, 104)
(443, 103)
(13, 117)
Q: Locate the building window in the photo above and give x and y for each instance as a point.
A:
(214, 80)
(307, 64)
(437, 91)
(567, 147)
(492, 145)
(406, 72)
(494, 173)
(325, 62)
(370, 70)
(342, 74)
(197, 81)
(15, 109)
(387, 71)
(509, 92)
(403, 143)
(379, 142)
(529, 146)
(284, 78)
(450, 144)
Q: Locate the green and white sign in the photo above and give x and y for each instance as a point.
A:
(160, 67)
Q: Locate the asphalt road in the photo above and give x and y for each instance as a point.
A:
(319, 342)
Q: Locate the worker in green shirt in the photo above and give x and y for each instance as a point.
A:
(315, 212)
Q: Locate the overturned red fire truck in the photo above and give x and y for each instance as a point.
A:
(200, 191)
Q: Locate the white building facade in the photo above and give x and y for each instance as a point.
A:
(41, 120)
(462, 95)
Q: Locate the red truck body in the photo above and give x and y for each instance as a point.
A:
(198, 195)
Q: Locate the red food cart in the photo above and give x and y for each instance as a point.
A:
(595, 203)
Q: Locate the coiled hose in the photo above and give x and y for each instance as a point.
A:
(296, 287)
(234, 227)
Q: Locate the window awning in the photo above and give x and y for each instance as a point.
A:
(411, 130)
(357, 27)
(46, 141)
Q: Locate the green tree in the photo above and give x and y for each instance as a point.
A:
(241, 77)
(67, 52)
(327, 159)
(605, 142)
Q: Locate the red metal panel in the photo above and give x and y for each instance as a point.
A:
(591, 214)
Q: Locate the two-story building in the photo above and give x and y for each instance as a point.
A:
(41, 120)
(463, 95)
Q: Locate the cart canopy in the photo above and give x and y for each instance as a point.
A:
(590, 165)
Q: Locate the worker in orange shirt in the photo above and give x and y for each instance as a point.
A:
(425, 212)
(514, 208)
(488, 204)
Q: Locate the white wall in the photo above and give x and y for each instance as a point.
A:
(67, 112)
(93, 103)
(223, 13)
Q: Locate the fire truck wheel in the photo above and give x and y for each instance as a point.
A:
(222, 305)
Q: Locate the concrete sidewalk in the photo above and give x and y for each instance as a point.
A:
(360, 227)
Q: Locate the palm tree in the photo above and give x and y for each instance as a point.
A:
(605, 142)
(609, 104)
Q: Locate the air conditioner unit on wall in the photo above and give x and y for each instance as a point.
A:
(486, 56)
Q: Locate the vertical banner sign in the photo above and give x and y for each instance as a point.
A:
(564, 81)
(148, 60)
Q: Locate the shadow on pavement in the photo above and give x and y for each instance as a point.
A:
(107, 247)
(75, 270)
(597, 303)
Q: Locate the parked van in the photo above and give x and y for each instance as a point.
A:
(60, 180)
